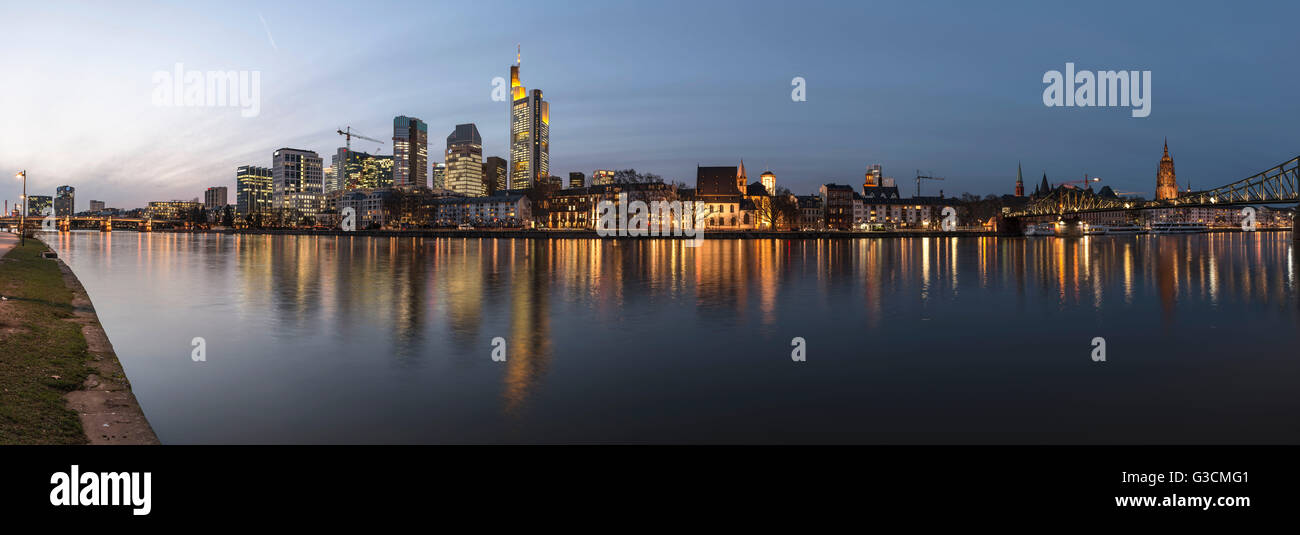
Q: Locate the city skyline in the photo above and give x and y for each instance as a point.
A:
(628, 106)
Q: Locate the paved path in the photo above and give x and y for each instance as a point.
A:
(7, 242)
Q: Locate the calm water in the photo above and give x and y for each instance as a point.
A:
(984, 340)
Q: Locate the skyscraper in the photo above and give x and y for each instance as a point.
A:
(530, 133)
(65, 201)
(214, 198)
(439, 175)
(252, 190)
(96, 206)
(297, 181)
(872, 178)
(363, 170)
(329, 176)
(465, 161)
(494, 174)
(577, 180)
(410, 152)
(1166, 182)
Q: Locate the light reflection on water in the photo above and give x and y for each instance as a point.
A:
(358, 340)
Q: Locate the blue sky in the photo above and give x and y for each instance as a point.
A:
(951, 88)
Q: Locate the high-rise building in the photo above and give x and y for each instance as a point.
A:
(65, 201)
(410, 152)
(252, 190)
(329, 177)
(362, 170)
(602, 177)
(530, 133)
(214, 198)
(1166, 182)
(297, 181)
(96, 206)
(494, 174)
(577, 180)
(439, 172)
(465, 161)
(769, 182)
(38, 204)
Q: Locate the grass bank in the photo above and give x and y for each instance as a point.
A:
(42, 357)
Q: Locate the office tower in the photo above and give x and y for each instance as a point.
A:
(494, 174)
(439, 175)
(465, 161)
(577, 180)
(252, 190)
(96, 206)
(297, 181)
(329, 177)
(38, 204)
(602, 177)
(769, 182)
(364, 171)
(410, 152)
(530, 135)
(214, 198)
(65, 201)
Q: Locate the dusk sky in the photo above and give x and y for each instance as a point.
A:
(950, 88)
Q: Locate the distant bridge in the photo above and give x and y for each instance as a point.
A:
(104, 223)
(1274, 186)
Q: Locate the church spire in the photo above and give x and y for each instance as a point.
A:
(1020, 182)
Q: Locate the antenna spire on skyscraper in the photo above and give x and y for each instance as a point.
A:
(519, 56)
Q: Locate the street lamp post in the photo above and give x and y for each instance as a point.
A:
(22, 214)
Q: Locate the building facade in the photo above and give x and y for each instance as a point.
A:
(252, 190)
(439, 172)
(577, 180)
(494, 174)
(37, 205)
(410, 152)
(297, 180)
(530, 134)
(96, 206)
(65, 201)
(214, 198)
(173, 210)
(1166, 182)
(464, 159)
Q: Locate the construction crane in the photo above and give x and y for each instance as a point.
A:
(1087, 181)
(920, 177)
(349, 134)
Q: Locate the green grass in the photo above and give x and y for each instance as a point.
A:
(42, 357)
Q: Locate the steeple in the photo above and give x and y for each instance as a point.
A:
(1166, 180)
(1020, 182)
(741, 178)
(1047, 188)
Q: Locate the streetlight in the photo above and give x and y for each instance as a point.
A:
(22, 215)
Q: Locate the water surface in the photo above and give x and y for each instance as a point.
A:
(909, 340)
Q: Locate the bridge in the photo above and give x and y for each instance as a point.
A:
(1276, 185)
(102, 223)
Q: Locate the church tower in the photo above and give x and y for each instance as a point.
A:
(741, 179)
(1020, 182)
(1166, 183)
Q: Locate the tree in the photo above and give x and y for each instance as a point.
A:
(631, 176)
(228, 217)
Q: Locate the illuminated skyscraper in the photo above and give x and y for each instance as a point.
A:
(297, 181)
(530, 133)
(252, 190)
(65, 201)
(465, 161)
(872, 178)
(1166, 182)
(439, 173)
(410, 152)
(494, 174)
